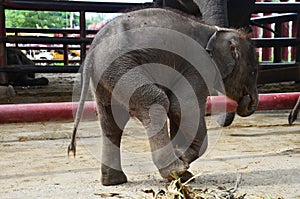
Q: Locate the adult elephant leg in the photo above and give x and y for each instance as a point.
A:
(239, 13)
(112, 173)
(214, 11)
(294, 113)
(187, 6)
(151, 107)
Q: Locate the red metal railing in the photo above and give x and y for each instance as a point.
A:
(64, 111)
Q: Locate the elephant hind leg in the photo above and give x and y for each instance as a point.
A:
(112, 126)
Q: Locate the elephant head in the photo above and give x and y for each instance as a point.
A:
(235, 57)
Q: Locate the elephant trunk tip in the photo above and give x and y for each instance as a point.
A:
(246, 106)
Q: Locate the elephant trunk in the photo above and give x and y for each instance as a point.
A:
(214, 12)
(247, 104)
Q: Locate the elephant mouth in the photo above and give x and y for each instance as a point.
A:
(247, 105)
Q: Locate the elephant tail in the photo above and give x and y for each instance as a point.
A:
(86, 76)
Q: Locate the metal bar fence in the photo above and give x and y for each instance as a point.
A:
(278, 53)
(273, 69)
(49, 5)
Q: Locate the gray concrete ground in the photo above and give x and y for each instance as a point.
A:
(262, 148)
(7, 92)
(34, 162)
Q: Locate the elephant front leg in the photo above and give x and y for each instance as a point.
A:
(112, 127)
(151, 109)
(188, 133)
(198, 145)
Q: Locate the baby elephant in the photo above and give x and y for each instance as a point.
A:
(157, 64)
(294, 113)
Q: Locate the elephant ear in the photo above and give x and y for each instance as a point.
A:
(233, 43)
(224, 48)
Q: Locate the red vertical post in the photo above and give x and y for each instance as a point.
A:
(3, 76)
(255, 34)
(295, 33)
(285, 33)
(267, 52)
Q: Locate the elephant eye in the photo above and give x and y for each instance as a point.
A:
(253, 73)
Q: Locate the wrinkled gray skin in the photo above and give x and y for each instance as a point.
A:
(224, 13)
(231, 51)
(294, 113)
(16, 57)
(187, 6)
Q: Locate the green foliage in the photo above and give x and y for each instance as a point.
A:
(96, 18)
(40, 19)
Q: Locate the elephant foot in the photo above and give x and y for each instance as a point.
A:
(183, 177)
(187, 155)
(293, 116)
(179, 167)
(112, 176)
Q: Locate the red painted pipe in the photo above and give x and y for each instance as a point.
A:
(53, 112)
(44, 112)
(274, 101)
